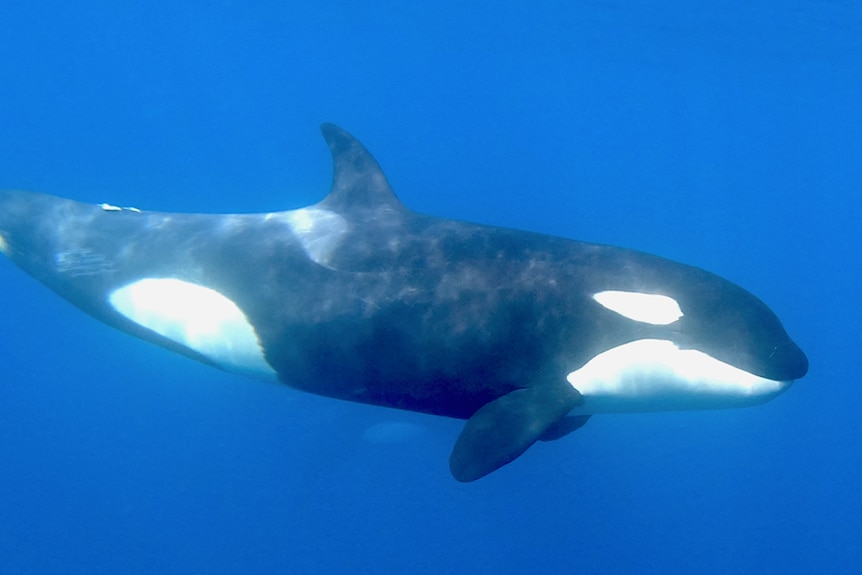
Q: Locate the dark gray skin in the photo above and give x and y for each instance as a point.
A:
(410, 311)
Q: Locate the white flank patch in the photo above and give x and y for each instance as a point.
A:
(645, 307)
(197, 317)
(4, 247)
(656, 375)
(319, 231)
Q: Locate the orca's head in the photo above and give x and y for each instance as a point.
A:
(684, 339)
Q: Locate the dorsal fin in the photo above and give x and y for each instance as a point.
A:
(358, 182)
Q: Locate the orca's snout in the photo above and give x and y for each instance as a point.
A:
(791, 362)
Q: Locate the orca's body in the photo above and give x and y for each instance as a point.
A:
(358, 298)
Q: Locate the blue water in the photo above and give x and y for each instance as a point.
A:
(723, 134)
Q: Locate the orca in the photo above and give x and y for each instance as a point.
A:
(523, 335)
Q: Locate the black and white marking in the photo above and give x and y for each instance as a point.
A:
(523, 335)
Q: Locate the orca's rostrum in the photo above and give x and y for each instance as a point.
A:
(358, 298)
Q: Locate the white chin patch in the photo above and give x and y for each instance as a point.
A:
(650, 308)
(197, 317)
(656, 375)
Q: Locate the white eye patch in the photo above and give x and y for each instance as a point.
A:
(197, 317)
(649, 308)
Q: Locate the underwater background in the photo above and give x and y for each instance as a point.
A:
(726, 135)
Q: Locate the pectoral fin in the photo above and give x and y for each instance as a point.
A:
(503, 429)
(563, 427)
